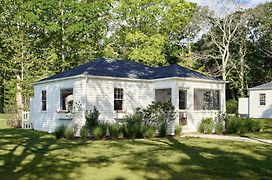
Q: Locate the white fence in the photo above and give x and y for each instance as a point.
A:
(25, 120)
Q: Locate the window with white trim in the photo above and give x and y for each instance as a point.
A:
(44, 99)
(262, 99)
(182, 99)
(206, 99)
(66, 99)
(118, 99)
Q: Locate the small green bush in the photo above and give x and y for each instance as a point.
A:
(148, 131)
(237, 125)
(59, 132)
(116, 131)
(206, 126)
(83, 132)
(178, 130)
(91, 117)
(231, 106)
(98, 132)
(163, 130)
(69, 133)
(133, 125)
(219, 127)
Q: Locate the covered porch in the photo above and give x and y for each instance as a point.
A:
(192, 103)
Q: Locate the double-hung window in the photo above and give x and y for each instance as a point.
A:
(118, 99)
(182, 99)
(262, 99)
(44, 99)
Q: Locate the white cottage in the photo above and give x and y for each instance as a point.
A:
(259, 102)
(118, 87)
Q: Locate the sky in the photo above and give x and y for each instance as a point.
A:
(223, 7)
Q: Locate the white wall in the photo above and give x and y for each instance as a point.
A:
(100, 93)
(50, 119)
(255, 109)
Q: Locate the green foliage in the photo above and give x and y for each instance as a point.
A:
(219, 127)
(163, 130)
(206, 126)
(83, 132)
(159, 114)
(148, 131)
(237, 125)
(59, 132)
(232, 106)
(91, 117)
(98, 132)
(69, 133)
(178, 130)
(116, 130)
(133, 125)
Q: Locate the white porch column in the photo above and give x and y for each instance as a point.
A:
(175, 102)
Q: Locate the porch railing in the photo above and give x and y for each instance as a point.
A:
(25, 120)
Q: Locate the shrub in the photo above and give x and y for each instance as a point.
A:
(116, 131)
(219, 127)
(178, 130)
(69, 133)
(206, 126)
(133, 125)
(83, 132)
(91, 117)
(104, 128)
(231, 106)
(148, 131)
(98, 132)
(159, 113)
(163, 130)
(59, 132)
(237, 125)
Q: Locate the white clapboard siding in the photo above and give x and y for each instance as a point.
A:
(99, 92)
(255, 109)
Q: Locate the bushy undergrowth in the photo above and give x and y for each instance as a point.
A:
(83, 132)
(229, 125)
(206, 126)
(59, 132)
(98, 132)
(178, 130)
(69, 133)
(238, 125)
(116, 131)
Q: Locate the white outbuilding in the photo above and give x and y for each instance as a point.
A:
(259, 102)
(118, 87)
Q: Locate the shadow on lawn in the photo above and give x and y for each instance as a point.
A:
(26, 152)
(34, 154)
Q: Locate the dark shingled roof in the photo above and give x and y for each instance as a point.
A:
(263, 86)
(129, 69)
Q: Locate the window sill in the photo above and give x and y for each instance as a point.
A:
(65, 119)
(63, 111)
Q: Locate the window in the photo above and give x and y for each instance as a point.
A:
(66, 100)
(206, 99)
(43, 100)
(182, 99)
(262, 99)
(118, 99)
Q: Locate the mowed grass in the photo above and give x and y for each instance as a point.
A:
(266, 132)
(3, 123)
(29, 154)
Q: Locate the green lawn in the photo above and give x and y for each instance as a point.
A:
(266, 133)
(3, 123)
(28, 154)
